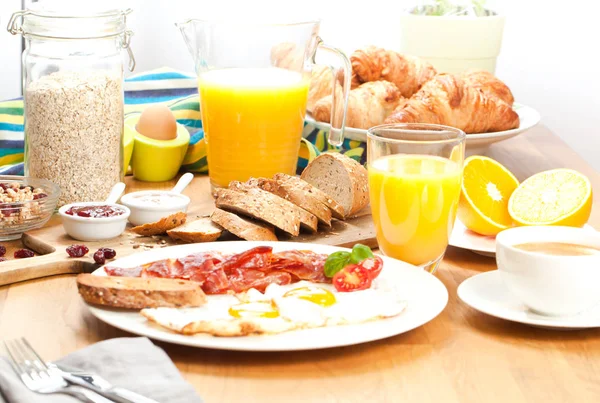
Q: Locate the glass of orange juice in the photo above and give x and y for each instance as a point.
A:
(253, 80)
(415, 174)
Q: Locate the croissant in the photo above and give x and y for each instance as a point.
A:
(287, 55)
(409, 73)
(449, 101)
(321, 85)
(368, 105)
(489, 84)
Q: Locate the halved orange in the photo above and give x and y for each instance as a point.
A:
(555, 197)
(486, 188)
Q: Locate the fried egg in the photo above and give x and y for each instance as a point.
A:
(301, 305)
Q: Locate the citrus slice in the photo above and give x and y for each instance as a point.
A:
(486, 189)
(555, 197)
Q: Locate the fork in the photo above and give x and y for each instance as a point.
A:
(37, 377)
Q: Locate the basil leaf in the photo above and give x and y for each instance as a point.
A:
(336, 262)
(359, 253)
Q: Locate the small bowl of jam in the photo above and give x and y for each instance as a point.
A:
(94, 221)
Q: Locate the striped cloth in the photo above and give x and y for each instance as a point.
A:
(178, 91)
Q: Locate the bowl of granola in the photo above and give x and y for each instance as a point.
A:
(25, 204)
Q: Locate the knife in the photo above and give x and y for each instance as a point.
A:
(98, 385)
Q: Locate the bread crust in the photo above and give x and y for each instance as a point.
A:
(358, 179)
(242, 227)
(253, 203)
(307, 220)
(161, 226)
(139, 293)
(201, 230)
(337, 210)
(297, 196)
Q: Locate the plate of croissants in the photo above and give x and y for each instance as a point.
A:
(390, 87)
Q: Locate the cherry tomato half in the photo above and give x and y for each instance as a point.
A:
(373, 265)
(352, 278)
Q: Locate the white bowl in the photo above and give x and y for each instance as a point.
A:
(144, 213)
(548, 284)
(93, 229)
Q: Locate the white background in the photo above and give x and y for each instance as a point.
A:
(549, 57)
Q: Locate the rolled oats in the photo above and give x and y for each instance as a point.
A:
(73, 132)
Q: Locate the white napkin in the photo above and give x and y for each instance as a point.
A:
(132, 363)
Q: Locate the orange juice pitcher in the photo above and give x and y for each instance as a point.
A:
(253, 80)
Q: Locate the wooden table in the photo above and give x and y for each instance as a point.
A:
(461, 356)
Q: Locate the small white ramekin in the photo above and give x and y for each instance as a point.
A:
(94, 229)
(143, 214)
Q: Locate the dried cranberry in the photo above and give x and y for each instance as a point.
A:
(99, 257)
(2, 250)
(10, 209)
(4, 186)
(77, 250)
(23, 253)
(2, 259)
(39, 196)
(108, 253)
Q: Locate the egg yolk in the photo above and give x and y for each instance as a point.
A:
(254, 310)
(316, 295)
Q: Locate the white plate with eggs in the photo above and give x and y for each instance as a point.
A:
(418, 297)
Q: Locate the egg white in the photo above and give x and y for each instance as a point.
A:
(380, 301)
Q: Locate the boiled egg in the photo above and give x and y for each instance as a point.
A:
(157, 122)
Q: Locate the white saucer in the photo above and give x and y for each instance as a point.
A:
(487, 293)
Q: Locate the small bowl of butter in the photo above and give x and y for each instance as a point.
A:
(149, 206)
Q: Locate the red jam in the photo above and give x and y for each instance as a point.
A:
(95, 211)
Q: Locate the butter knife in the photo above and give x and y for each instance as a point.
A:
(99, 385)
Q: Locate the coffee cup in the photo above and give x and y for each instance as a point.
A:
(554, 271)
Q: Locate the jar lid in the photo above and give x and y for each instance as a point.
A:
(73, 22)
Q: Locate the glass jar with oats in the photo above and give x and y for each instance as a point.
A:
(73, 96)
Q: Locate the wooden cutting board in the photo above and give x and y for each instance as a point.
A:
(50, 242)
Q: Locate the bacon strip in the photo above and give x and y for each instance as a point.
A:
(219, 273)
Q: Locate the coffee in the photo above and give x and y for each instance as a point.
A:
(559, 248)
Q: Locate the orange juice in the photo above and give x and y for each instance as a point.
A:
(253, 120)
(414, 200)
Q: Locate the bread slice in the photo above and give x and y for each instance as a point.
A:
(257, 203)
(342, 178)
(249, 230)
(139, 293)
(201, 230)
(294, 182)
(308, 220)
(297, 196)
(162, 225)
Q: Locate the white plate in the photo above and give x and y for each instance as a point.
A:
(487, 293)
(425, 295)
(528, 116)
(463, 238)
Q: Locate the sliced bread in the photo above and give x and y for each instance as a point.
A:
(257, 203)
(161, 226)
(294, 182)
(139, 293)
(297, 196)
(308, 220)
(201, 230)
(342, 178)
(244, 228)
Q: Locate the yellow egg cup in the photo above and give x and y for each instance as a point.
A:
(156, 160)
(128, 142)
